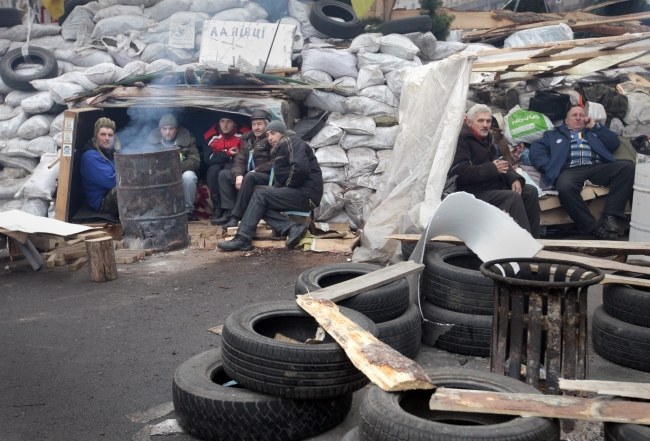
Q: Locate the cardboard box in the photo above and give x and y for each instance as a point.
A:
(588, 193)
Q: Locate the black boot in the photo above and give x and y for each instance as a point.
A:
(216, 215)
(222, 219)
(294, 235)
(232, 222)
(239, 243)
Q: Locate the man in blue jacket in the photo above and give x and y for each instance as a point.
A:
(98, 168)
(297, 185)
(580, 150)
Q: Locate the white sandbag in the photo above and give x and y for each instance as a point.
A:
(331, 156)
(328, 135)
(398, 45)
(15, 98)
(316, 76)
(108, 3)
(159, 66)
(133, 69)
(193, 18)
(17, 147)
(153, 52)
(596, 111)
(61, 91)
(78, 23)
(103, 73)
(122, 24)
(539, 35)
(426, 43)
(366, 42)
(37, 125)
(178, 55)
(367, 106)
(300, 10)
(28, 164)
(67, 67)
(386, 62)
(345, 86)
(368, 180)
(58, 139)
(446, 49)
(41, 145)
(9, 187)
(40, 103)
(370, 75)
(361, 161)
(234, 14)
(57, 124)
(9, 127)
(256, 10)
(152, 37)
(84, 58)
(333, 174)
(332, 201)
(42, 183)
(36, 30)
(382, 94)
(355, 201)
(35, 206)
(336, 62)
(13, 173)
(331, 102)
(4, 46)
(78, 78)
(354, 124)
(51, 43)
(310, 32)
(384, 138)
(7, 111)
(340, 218)
(4, 89)
(385, 158)
(117, 10)
(211, 7)
(165, 8)
(637, 129)
(42, 85)
(638, 108)
(395, 82)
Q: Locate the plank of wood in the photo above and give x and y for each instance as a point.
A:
(334, 245)
(16, 235)
(382, 364)
(550, 406)
(74, 266)
(622, 280)
(128, 256)
(368, 281)
(216, 329)
(593, 261)
(616, 388)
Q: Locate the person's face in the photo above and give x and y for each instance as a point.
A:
(273, 137)
(258, 126)
(576, 118)
(481, 123)
(105, 138)
(168, 132)
(226, 125)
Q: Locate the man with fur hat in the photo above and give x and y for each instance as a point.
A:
(98, 168)
(297, 184)
(170, 135)
(251, 167)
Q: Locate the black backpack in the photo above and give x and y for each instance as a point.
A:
(552, 104)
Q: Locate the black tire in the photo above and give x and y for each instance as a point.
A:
(380, 304)
(619, 342)
(253, 358)
(429, 247)
(14, 58)
(452, 280)
(209, 410)
(467, 335)
(626, 432)
(323, 14)
(391, 416)
(10, 17)
(421, 23)
(630, 304)
(403, 333)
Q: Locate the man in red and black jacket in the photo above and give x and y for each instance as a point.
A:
(223, 140)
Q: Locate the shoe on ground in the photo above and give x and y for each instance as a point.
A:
(614, 224)
(239, 243)
(232, 222)
(221, 220)
(295, 234)
(191, 217)
(602, 234)
(216, 215)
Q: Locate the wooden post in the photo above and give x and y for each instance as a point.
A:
(101, 259)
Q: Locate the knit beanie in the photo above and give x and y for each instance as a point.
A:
(103, 122)
(168, 120)
(276, 126)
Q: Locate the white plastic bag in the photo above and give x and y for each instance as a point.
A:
(336, 62)
(354, 124)
(370, 75)
(328, 135)
(539, 35)
(398, 45)
(361, 161)
(384, 138)
(331, 156)
(331, 203)
(369, 42)
(367, 106)
(386, 62)
(37, 125)
(40, 103)
(382, 94)
(42, 183)
(331, 102)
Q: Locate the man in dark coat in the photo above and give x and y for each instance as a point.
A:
(482, 172)
(297, 185)
(580, 150)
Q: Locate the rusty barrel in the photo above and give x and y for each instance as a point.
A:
(150, 199)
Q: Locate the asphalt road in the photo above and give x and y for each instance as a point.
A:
(94, 361)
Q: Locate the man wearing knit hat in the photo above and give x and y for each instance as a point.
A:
(171, 135)
(98, 168)
(297, 184)
(250, 168)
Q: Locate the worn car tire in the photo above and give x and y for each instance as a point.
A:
(380, 304)
(209, 410)
(257, 361)
(392, 416)
(403, 333)
(456, 332)
(421, 23)
(10, 17)
(429, 247)
(14, 58)
(626, 432)
(630, 304)
(622, 343)
(324, 14)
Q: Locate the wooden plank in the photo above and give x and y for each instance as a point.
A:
(368, 281)
(18, 236)
(616, 388)
(623, 280)
(382, 364)
(334, 245)
(593, 261)
(550, 406)
(128, 256)
(74, 266)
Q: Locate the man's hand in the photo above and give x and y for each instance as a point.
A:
(238, 181)
(232, 151)
(501, 165)
(590, 123)
(516, 186)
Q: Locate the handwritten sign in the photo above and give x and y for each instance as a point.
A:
(246, 45)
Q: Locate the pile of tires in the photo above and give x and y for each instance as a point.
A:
(621, 326)
(397, 320)
(457, 302)
(259, 386)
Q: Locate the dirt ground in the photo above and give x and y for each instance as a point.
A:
(94, 361)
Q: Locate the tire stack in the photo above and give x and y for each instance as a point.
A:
(457, 302)
(265, 383)
(397, 320)
(621, 326)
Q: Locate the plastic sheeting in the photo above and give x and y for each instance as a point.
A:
(410, 190)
